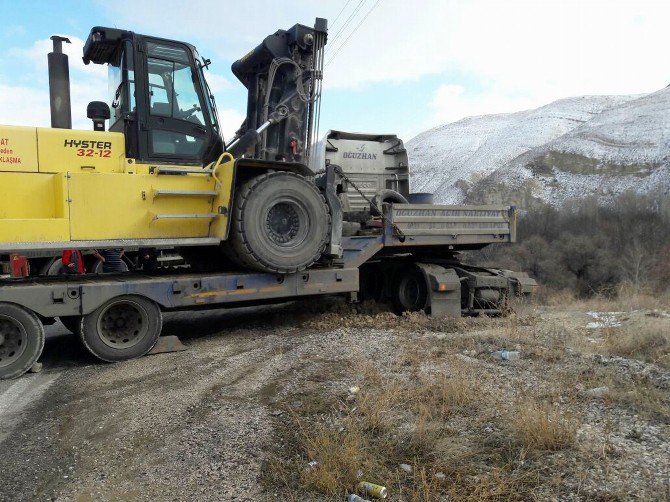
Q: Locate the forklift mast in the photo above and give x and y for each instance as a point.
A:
(283, 76)
(162, 104)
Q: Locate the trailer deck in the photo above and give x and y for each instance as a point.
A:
(410, 262)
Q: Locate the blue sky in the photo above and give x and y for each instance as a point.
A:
(408, 67)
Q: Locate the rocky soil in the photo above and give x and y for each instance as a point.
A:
(214, 422)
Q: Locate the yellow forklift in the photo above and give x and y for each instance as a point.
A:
(162, 176)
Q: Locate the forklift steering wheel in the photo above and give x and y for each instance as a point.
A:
(187, 114)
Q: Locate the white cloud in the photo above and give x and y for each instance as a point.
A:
(217, 83)
(522, 52)
(87, 83)
(23, 106)
(519, 53)
(453, 102)
(228, 28)
(586, 46)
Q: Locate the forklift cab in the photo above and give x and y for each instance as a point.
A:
(159, 98)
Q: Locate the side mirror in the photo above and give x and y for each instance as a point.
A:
(98, 112)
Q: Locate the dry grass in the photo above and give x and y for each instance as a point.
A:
(645, 399)
(431, 422)
(625, 297)
(639, 394)
(554, 297)
(339, 456)
(648, 342)
(542, 427)
(472, 427)
(443, 396)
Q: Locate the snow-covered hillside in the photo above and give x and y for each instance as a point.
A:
(590, 145)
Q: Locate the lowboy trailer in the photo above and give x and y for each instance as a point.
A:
(411, 263)
(258, 219)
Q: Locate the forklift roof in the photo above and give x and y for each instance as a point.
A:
(103, 44)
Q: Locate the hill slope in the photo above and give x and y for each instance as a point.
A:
(575, 147)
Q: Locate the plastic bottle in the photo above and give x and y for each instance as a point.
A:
(355, 498)
(507, 355)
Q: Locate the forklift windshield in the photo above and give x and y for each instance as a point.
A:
(172, 91)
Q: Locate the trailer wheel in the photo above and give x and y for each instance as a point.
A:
(371, 280)
(280, 223)
(21, 340)
(409, 291)
(124, 328)
(72, 323)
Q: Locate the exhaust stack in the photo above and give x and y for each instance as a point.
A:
(59, 85)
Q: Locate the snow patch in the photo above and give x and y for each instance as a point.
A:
(604, 320)
(618, 143)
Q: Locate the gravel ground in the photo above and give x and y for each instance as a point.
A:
(199, 424)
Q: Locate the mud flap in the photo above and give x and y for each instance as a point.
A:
(444, 291)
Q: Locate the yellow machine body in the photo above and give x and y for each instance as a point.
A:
(60, 187)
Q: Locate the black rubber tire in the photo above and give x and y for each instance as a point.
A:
(371, 280)
(30, 338)
(72, 323)
(54, 268)
(386, 197)
(409, 290)
(276, 207)
(135, 340)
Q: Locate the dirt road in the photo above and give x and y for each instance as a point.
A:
(200, 424)
(174, 426)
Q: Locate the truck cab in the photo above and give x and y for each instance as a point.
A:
(374, 163)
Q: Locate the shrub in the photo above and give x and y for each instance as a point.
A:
(591, 249)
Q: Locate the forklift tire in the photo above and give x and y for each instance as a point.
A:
(280, 223)
(21, 340)
(124, 328)
(409, 290)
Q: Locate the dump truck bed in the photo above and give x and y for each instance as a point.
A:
(459, 225)
(434, 230)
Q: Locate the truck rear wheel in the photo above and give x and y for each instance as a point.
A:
(21, 340)
(124, 328)
(409, 290)
(280, 223)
